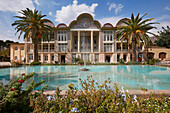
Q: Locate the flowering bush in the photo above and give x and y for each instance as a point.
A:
(100, 98)
(14, 99)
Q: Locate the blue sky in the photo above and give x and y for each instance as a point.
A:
(64, 11)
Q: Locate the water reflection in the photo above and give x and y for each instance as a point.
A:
(130, 77)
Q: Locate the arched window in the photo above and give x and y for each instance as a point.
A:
(162, 55)
(151, 55)
(16, 48)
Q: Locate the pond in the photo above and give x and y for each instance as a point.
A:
(131, 77)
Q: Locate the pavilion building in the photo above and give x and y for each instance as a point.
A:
(84, 38)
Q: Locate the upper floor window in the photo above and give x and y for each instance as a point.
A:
(22, 48)
(108, 35)
(45, 48)
(125, 46)
(51, 47)
(62, 36)
(62, 47)
(39, 58)
(108, 48)
(46, 58)
(16, 48)
(52, 37)
(16, 58)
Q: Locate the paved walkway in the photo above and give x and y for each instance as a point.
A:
(132, 92)
(5, 64)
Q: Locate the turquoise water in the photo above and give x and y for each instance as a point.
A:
(128, 76)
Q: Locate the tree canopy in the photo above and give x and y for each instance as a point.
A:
(164, 37)
(135, 31)
(32, 25)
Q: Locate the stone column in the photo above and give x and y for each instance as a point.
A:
(121, 54)
(42, 58)
(78, 41)
(49, 47)
(26, 57)
(12, 53)
(49, 58)
(19, 53)
(99, 41)
(41, 47)
(128, 55)
(92, 41)
(70, 41)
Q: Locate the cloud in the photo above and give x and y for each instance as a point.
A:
(15, 39)
(36, 1)
(159, 27)
(163, 17)
(54, 3)
(50, 13)
(117, 7)
(167, 8)
(112, 20)
(70, 12)
(15, 5)
(163, 20)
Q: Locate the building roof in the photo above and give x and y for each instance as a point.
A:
(17, 43)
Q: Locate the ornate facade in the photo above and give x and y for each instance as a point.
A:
(84, 38)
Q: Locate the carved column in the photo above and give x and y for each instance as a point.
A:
(92, 41)
(19, 53)
(78, 41)
(99, 41)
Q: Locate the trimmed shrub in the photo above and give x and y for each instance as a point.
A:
(99, 98)
(133, 63)
(13, 99)
(35, 63)
(153, 61)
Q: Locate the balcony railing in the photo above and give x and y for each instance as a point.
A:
(96, 50)
(118, 50)
(30, 50)
(45, 50)
(74, 50)
(51, 50)
(125, 50)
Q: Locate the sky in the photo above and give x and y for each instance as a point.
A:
(65, 11)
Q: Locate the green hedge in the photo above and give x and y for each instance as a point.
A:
(35, 63)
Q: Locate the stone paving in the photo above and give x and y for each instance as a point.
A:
(132, 92)
(5, 64)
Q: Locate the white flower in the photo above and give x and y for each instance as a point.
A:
(74, 110)
(117, 104)
(123, 95)
(127, 91)
(122, 90)
(49, 97)
(135, 97)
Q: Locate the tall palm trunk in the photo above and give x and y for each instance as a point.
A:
(35, 49)
(134, 49)
(145, 54)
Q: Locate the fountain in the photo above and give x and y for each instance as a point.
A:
(84, 50)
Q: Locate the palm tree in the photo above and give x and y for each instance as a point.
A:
(135, 31)
(32, 24)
